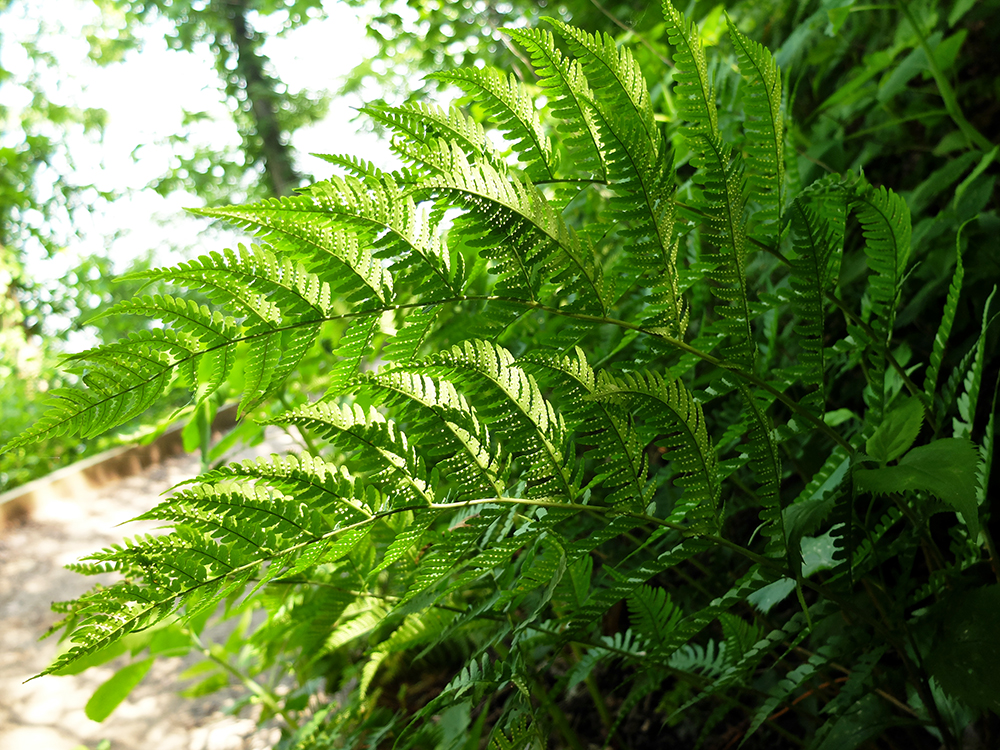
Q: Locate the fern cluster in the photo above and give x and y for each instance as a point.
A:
(553, 385)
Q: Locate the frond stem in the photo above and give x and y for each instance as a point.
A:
(266, 696)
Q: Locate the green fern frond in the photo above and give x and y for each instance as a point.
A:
(626, 581)
(820, 659)
(885, 221)
(353, 348)
(741, 663)
(512, 110)
(528, 240)
(637, 166)
(724, 186)
(314, 242)
(612, 71)
(318, 484)
(477, 678)
(764, 126)
(653, 615)
(569, 93)
(122, 381)
(604, 424)
(223, 536)
(420, 123)
(817, 222)
(708, 660)
(382, 448)
(693, 91)
(944, 328)
(405, 345)
(674, 419)
(352, 165)
(972, 380)
(511, 402)
(456, 439)
(766, 463)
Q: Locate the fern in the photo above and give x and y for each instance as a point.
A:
(558, 382)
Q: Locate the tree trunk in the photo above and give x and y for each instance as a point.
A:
(276, 155)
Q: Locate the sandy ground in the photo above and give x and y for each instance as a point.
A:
(48, 713)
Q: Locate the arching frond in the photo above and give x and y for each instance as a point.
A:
(563, 80)
(510, 401)
(512, 109)
(674, 420)
(693, 91)
(764, 127)
(817, 221)
(885, 220)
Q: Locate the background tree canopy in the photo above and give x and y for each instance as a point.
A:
(648, 396)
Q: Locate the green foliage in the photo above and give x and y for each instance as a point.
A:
(540, 419)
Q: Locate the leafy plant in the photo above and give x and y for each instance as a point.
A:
(597, 397)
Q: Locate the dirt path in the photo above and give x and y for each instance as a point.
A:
(48, 713)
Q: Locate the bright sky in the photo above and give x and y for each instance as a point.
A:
(144, 97)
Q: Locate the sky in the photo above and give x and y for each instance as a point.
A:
(144, 97)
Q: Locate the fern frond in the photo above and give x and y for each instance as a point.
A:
(674, 419)
(569, 93)
(353, 347)
(638, 168)
(420, 123)
(612, 71)
(604, 424)
(708, 660)
(818, 236)
(968, 401)
(511, 402)
(405, 345)
(693, 91)
(793, 680)
(528, 240)
(452, 432)
(382, 448)
(885, 221)
(344, 218)
(764, 459)
(944, 328)
(222, 538)
(627, 581)
(512, 110)
(724, 186)
(318, 484)
(764, 126)
(303, 231)
(352, 165)
(653, 615)
(283, 305)
(122, 380)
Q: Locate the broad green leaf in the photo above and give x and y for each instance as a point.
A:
(897, 432)
(945, 468)
(801, 519)
(107, 697)
(772, 594)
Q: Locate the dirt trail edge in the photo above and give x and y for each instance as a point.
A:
(48, 713)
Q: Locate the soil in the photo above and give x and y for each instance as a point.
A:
(48, 713)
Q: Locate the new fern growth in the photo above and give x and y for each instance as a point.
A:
(552, 386)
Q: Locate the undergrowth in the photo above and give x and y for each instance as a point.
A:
(599, 425)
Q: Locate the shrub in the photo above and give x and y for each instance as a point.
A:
(600, 421)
